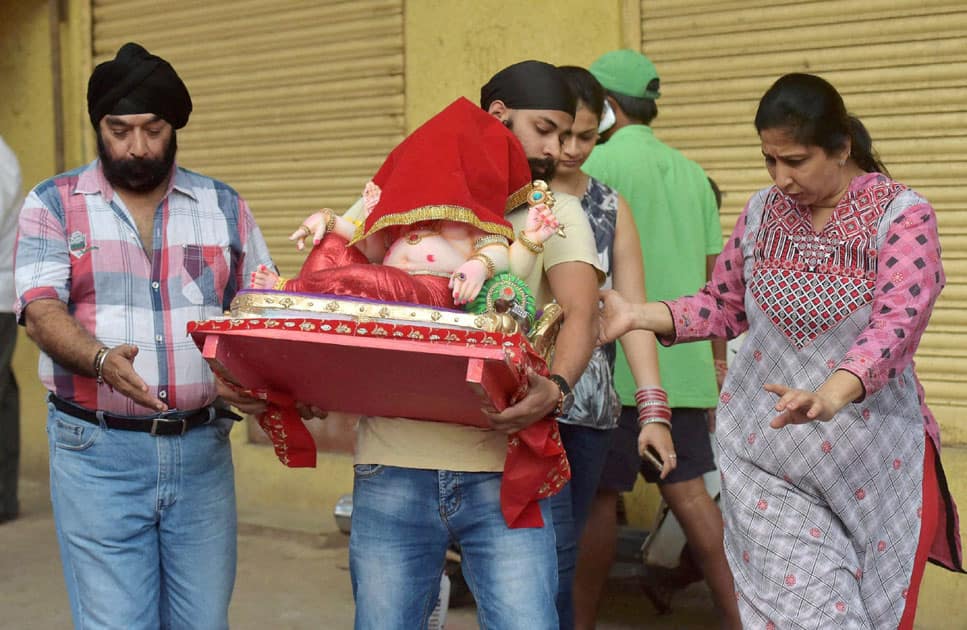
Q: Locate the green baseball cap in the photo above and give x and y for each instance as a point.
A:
(626, 72)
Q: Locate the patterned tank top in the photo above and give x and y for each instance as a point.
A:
(596, 403)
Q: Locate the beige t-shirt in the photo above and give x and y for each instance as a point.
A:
(444, 446)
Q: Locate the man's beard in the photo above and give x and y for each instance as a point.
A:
(137, 175)
(541, 168)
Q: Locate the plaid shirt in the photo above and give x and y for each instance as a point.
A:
(79, 244)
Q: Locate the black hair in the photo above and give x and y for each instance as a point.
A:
(813, 112)
(641, 110)
(585, 88)
(717, 192)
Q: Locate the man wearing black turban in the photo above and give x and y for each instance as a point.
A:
(113, 259)
(534, 101)
(133, 93)
(445, 479)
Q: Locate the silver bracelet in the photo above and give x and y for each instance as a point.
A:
(642, 423)
(99, 364)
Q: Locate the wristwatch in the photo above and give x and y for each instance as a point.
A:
(566, 400)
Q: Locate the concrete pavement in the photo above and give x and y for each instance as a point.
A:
(293, 574)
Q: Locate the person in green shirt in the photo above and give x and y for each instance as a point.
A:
(675, 210)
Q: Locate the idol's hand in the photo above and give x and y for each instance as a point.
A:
(467, 281)
(615, 318)
(799, 406)
(314, 226)
(541, 223)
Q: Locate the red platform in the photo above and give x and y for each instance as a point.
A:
(422, 372)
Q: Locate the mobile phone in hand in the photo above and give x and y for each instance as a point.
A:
(651, 456)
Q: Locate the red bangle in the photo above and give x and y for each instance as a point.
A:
(652, 403)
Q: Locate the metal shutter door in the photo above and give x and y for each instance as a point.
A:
(901, 67)
(296, 103)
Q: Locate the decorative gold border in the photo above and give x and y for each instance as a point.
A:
(251, 304)
(430, 213)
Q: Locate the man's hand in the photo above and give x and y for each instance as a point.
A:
(542, 396)
(308, 412)
(243, 402)
(615, 316)
(118, 373)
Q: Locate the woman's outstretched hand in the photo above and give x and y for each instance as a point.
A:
(615, 318)
(799, 406)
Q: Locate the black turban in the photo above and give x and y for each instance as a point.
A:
(530, 85)
(137, 82)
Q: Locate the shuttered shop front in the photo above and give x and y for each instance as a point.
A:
(901, 67)
(296, 103)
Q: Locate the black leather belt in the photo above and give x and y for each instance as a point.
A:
(167, 423)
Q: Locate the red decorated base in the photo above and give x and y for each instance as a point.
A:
(405, 370)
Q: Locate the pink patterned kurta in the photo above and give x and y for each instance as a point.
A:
(823, 519)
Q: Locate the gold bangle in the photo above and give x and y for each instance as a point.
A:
(490, 239)
(532, 246)
(488, 263)
(280, 284)
(330, 222)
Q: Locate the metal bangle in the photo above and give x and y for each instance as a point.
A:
(488, 263)
(490, 239)
(646, 421)
(99, 359)
(532, 246)
(330, 222)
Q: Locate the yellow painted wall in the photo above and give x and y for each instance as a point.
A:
(27, 125)
(454, 47)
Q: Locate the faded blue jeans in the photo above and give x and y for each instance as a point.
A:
(146, 525)
(403, 521)
(587, 450)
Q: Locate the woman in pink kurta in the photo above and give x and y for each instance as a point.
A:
(833, 492)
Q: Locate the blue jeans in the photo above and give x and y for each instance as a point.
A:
(403, 521)
(587, 451)
(146, 525)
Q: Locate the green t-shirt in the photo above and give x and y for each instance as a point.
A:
(678, 226)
